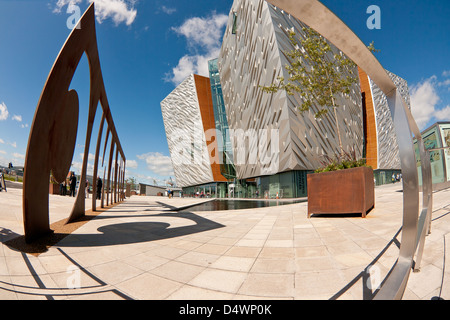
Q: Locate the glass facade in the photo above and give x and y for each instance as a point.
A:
(290, 184)
(386, 176)
(220, 116)
(437, 136)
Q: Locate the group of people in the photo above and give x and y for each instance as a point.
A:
(396, 178)
(73, 186)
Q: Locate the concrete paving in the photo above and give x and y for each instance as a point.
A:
(142, 249)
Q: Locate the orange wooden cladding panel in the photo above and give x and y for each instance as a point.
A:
(371, 138)
(203, 87)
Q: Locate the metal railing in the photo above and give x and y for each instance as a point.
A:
(415, 226)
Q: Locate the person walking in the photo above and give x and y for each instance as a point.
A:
(99, 188)
(86, 195)
(73, 185)
(2, 182)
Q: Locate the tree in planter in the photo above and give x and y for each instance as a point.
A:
(132, 182)
(315, 76)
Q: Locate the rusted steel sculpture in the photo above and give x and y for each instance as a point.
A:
(53, 133)
(415, 223)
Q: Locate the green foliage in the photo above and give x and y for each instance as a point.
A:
(345, 160)
(371, 48)
(132, 182)
(313, 74)
(317, 75)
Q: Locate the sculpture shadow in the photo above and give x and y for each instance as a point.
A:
(143, 231)
(117, 233)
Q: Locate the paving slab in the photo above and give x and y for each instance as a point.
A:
(143, 249)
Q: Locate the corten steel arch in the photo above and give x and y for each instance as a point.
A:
(53, 133)
(415, 225)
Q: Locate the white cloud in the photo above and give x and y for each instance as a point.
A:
(91, 156)
(423, 101)
(168, 10)
(77, 166)
(203, 36)
(158, 163)
(13, 144)
(446, 73)
(19, 156)
(24, 125)
(2, 141)
(205, 32)
(17, 118)
(132, 164)
(188, 64)
(3, 111)
(61, 3)
(2, 152)
(443, 114)
(119, 10)
(444, 83)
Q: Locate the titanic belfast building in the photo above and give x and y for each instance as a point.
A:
(229, 138)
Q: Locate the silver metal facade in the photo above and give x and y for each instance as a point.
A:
(253, 55)
(185, 135)
(388, 153)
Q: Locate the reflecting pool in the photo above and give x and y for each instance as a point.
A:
(224, 204)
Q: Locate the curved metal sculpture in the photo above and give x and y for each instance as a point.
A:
(53, 133)
(415, 225)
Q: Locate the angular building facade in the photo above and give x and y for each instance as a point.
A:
(189, 123)
(265, 146)
(253, 54)
(381, 148)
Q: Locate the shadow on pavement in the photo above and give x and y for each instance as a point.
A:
(113, 234)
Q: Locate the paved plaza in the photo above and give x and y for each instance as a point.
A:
(143, 249)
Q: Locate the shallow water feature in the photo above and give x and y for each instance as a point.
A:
(232, 204)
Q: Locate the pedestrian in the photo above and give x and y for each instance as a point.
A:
(2, 182)
(393, 178)
(99, 188)
(73, 184)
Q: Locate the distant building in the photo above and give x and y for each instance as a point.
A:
(149, 190)
(437, 136)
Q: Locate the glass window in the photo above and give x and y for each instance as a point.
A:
(233, 31)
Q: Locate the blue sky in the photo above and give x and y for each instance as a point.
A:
(147, 47)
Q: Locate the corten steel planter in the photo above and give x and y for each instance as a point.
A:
(54, 188)
(342, 191)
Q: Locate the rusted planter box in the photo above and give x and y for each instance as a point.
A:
(342, 191)
(53, 188)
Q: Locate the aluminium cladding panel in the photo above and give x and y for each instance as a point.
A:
(185, 135)
(312, 138)
(388, 152)
(250, 58)
(253, 57)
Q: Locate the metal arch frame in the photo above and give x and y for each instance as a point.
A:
(415, 225)
(52, 138)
